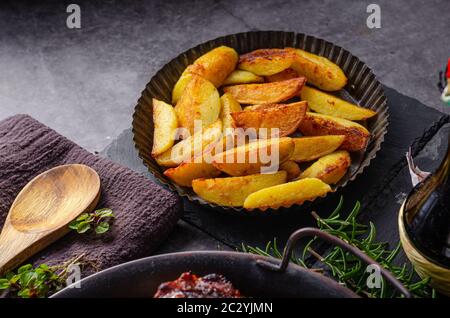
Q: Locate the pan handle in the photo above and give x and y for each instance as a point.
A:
(310, 231)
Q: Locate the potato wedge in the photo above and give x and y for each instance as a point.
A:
(265, 62)
(310, 148)
(215, 66)
(288, 73)
(330, 168)
(267, 92)
(261, 156)
(200, 102)
(292, 169)
(263, 106)
(180, 85)
(327, 104)
(234, 190)
(191, 147)
(356, 135)
(229, 105)
(188, 171)
(166, 123)
(287, 194)
(319, 71)
(242, 77)
(286, 118)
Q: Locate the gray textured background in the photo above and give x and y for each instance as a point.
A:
(84, 83)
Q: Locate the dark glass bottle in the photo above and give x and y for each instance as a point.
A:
(427, 214)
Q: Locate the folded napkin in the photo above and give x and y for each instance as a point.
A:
(145, 212)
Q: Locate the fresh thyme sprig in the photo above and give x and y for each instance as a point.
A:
(39, 281)
(98, 219)
(348, 269)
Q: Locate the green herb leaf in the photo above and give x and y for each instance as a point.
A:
(82, 217)
(104, 213)
(14, 279)
(102, 228)
(97, 219)
(83, 227)
(4, 283)
(73, 225)
(26, 278)
(24, 293)
(24, 268)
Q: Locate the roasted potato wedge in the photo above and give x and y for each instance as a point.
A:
(287, 194)
(166, 123)
(261, 156)
(310, 148)
(284, 117)
(265, 62)
(292, 169)
(242, 77)
(263, 106)
(267, 92)
(327, 104)
(229, 105)
(188, 171)
(287, 74)
(330, 168)
(180, 85)
(200, 102)
(191, 147)
(215, 66)
(233, 191)
(319, 71)
(356, 135)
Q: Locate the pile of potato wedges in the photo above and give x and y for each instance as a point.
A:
(286, 91)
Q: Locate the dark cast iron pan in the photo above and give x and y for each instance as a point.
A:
(253, 275)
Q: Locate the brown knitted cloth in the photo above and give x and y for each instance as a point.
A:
(145, 212)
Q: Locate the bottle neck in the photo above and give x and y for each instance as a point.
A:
(424, 189)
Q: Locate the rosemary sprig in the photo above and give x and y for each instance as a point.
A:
(348, 269)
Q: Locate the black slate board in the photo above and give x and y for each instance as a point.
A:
(411, 122)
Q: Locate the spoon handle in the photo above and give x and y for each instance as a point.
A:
(16, 246)
(13, 246)
(7, 249)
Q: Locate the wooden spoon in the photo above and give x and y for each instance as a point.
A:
(41, 212)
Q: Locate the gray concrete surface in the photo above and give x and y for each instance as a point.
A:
(84, 83)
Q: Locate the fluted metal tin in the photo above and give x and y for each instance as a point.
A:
(362, 88)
